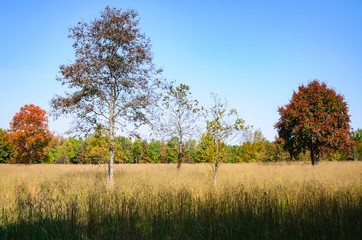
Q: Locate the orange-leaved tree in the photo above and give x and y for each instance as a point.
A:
(29, 134)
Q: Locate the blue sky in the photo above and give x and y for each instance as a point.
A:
(254, 53)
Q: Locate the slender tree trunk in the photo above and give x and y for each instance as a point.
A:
(216, 167)
(111, 155)
(180, 145)
(216, 161)
(180, 155)
(111, 142)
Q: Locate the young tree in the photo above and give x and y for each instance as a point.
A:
(222, 127)
(177, 119)
(112, 79)
(316, 119)
(29, 134)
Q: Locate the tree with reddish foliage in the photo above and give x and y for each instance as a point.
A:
(316, 119)
(29, 134)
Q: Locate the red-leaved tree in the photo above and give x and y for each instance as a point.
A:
(29, 134)
(316, 119)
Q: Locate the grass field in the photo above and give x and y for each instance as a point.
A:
(251, 201)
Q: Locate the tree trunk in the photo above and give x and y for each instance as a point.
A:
(180, 151)
(216, 167)
(111, 144)
(179, 160)
(31, 154)
(312, 157)
(216, 161)
(316, 158)
(111, 156)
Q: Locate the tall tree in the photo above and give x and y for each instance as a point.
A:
(112, 79)
(316, 119)
(29, 134)
(177, 119)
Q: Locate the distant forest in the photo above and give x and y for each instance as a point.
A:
(94, 149)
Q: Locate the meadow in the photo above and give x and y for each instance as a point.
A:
(155, 201)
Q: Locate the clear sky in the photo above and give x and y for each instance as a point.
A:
(254, 53)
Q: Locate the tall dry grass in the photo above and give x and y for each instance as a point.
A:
(251, 201)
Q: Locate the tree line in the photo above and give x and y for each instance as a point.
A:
(94, 149)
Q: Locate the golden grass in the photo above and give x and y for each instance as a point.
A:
(195, 177)
(151, 191)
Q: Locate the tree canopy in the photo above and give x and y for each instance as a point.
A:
(356, 136)
(6, 149)
(316, 119)
(29, 134)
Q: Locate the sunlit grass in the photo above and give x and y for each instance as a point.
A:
(251, 201)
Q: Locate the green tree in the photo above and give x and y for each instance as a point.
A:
(73, 150)
(356, 136)
(57, 150)
(113, 77)
(123, 153)
(171, 155)
(154, 152)
(97, 147)
(316, 119)
(235, 154)
(140, 151)
(6, 149)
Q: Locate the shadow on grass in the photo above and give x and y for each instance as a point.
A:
(206, 225)
(234, 214)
